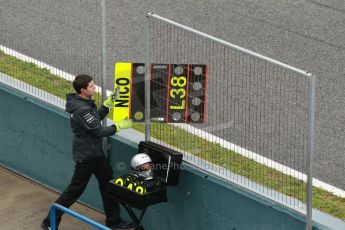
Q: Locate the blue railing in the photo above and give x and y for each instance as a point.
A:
(74, 214)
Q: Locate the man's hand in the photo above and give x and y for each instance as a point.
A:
(109, 102)
(123, 124)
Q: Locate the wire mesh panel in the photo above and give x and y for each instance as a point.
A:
(256, 120)
(39, 53)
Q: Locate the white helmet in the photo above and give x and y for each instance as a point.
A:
(137, 161)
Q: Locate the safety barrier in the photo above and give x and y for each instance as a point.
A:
(48, 140)
(74, 214)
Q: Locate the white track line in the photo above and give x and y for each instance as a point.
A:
(260, 159)
(200, 133)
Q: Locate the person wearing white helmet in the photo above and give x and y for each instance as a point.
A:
(141, 166)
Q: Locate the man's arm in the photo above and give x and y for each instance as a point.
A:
(87, 119)
(103, 112)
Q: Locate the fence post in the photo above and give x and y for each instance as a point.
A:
(104, 70)
(147, 80)
(311, 128)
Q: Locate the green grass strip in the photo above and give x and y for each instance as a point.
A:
(214, 153)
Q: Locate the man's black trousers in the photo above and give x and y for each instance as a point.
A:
(99, 166)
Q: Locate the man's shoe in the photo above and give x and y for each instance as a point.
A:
(46, 227)
(122, 225)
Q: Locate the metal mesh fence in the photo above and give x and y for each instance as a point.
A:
(256, 119)
(42, 60)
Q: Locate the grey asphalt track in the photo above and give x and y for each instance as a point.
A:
(307, 34)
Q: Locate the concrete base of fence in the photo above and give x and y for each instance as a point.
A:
(35, 140)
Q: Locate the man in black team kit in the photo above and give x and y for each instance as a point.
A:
(85, 121)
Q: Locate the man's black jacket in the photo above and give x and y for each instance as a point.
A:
(85, 121)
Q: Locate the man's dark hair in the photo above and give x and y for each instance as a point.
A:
(81, 81)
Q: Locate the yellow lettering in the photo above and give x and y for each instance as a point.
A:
(182, 106)
(130, 186)
(176, 92)
(178, 81)
(139, 189)
(119, 181)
